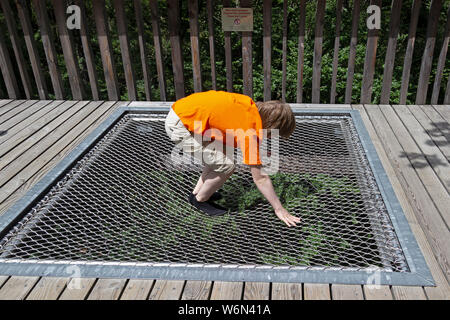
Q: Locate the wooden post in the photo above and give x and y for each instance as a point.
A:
(195, 48)
(301, 50)
(7, 70)
(427, 58)
(49, 47)
(336, 51)
(71, 60)
(247, 56)
(369, 61)
(24, 17)
(284, 56)
(158, 48)
(317, 59)
(142, 49)
(106, 52)
(352, 52)
(210, 9)
(267, 48)
(394, 25)
(228, 64)
(87, 51)
(175, 42)
(121, 22)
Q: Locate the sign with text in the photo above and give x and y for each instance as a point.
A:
(237, 19)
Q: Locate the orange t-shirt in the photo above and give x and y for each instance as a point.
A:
(219, 111)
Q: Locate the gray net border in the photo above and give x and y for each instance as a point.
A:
(419, 273)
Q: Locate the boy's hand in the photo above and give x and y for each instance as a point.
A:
(286, 217)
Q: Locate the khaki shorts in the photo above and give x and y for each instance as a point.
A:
(212, 154)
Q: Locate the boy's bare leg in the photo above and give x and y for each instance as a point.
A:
(211, 183)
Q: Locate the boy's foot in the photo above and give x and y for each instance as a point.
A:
(207, 207)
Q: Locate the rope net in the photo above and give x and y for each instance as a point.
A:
(126, 201)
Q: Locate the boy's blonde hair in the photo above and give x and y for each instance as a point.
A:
(277, 115)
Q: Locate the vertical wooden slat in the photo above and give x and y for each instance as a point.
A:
(227, 40)
(87, 51)
(409, 50)
(70, 58)
(301, 50)
(336, 51)
(25, 21)
(49, 47)
(247, 56)
(7, 70)
(212, 55)
(317, 59)
(154, 15)
(284, 55)
(447, 92)
(394, 25)
(267, 48)
(121, 22)
(195, 48)
(441, 62)
(175, 43)
(106, 52)
(17, 47)
(427, 58)
(142, 49)
(352, 51)
(369, 61)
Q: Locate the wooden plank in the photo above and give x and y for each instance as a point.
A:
(369, 61)
(196, 290)
(441, 61)
(267, 48)
(336, 51)
(167, 290)
(3, 279)
(443, 110)
(173, 11)
(317, 291)
(17, 288)
(247, 56)
(407, 62)
(195, 47)
(40, 9)
(442, 289)
(352, 51)
(394, 26)
(143, 49)
(87, 51)
(6, 66)
(301, 50)
(427, 58)
(408, 293)
(70, 58)
(121, 23)
(212, 55)
(284, 50)
(48, 289)
(317, 58)
(228, 54)
(377, 293)
(347, 292)
(14, 109)
(286, 291)
(77, 289)
(106, 51)
(137, 289)
(440, 123)
(227, 290)
(424, 208)
(33, 54)
(158, 49)
(107, 289)
(447, 92)
(257, 291)
(39, 129)
(17, 47)
(4, 102)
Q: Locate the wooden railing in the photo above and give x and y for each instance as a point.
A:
(103, 59)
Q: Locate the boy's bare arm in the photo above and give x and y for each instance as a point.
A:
(265, 186)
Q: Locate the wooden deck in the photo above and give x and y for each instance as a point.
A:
(413, 143)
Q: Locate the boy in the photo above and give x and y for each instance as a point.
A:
(211, 115)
